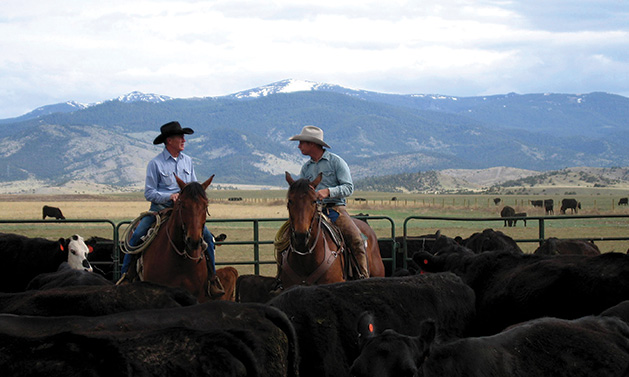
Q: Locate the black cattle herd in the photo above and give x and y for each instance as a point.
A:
(462, 307)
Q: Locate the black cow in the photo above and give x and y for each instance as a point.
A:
(95, 300)
(623, 201)
(324, 315)
(102, 256)
(256, 288)
(523, 218)
(66, 276)
(508, 212)
(549, 206)
(537, 203)
(55, 212)
(413, 245)
(218, 338)
(489, 240)
(570, 204)
(555, 246)
(512, 288)
(588, 346)
(497, 201)
(24, 258)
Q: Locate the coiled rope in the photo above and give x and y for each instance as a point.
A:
(150, 235)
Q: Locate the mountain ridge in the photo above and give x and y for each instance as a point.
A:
(243, 137)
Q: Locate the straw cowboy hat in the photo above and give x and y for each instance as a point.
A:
(312, 134)
(170, 129)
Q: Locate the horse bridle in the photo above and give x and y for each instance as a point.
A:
(308, 233)
(184, 253)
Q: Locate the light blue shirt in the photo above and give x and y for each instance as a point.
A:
(160, 178)
(336, 177)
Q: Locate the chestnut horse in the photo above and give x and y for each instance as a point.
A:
(312, 256)
(176, 257)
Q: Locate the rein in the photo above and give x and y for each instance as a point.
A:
(316, 216)
(184, 253)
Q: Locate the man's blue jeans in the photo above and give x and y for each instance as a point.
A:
(143, 227)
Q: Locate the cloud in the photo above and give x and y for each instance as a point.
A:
(91, 51)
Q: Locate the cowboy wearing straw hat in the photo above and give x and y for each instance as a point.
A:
(335, 186)
(162, 190)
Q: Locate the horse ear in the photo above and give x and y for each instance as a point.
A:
(317, 180)
(181, 183)
(289, 179)
(208, 182)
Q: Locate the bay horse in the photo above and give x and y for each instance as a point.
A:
(313, 256)
(176, 256)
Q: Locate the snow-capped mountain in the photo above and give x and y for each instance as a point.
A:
(285, 86)
(143, 97)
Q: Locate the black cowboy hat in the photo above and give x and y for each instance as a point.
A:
(170, 129)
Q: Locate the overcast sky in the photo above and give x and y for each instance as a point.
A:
(54, 51)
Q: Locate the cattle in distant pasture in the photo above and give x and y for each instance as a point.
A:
(549, 206)
(23, 258)
(537, 203)
(555, 246)
(512, 288)
(256, 288)
(497, 201)
(235, 199)
(94, 300)
(508, 212)
(228, 277)
(623, 201)
(570, 204)
(521, 216)
(393, 199)
(588, 346)
(324, 316)
(66, 276)
(360, 199)
(55, 212)
(219, 338)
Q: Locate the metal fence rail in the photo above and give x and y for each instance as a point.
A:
(397, 250)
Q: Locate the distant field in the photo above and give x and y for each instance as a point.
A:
(269, 208)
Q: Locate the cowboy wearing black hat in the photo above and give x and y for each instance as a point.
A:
(162, 190)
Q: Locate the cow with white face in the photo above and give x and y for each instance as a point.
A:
(77, 253)
(23, 258)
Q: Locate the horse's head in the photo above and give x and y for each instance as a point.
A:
(190, 210)
(302, 207)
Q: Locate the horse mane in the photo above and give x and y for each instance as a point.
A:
(194, 190)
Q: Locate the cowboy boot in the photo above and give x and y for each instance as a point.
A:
(132, 273)
(215, 288)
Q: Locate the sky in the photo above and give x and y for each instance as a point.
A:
(91, 51)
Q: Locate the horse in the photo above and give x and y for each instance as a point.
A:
(176, 256)
(313, 256)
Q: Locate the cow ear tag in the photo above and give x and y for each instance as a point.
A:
(370, 328)
(61, 247)
(90, 249)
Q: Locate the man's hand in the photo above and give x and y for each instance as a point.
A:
(322, 194)
(174, 197)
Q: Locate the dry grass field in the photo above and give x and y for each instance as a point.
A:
(262, 213)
